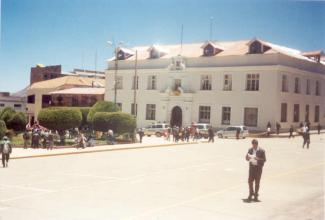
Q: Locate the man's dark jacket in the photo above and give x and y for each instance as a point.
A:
(260, 153)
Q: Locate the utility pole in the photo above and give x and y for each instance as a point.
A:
(135, 85)
(115, 75)
(211, 23)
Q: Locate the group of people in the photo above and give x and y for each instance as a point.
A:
(37, 136)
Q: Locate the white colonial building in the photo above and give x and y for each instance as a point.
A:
(247, 82)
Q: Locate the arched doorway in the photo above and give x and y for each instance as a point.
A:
(176, 117)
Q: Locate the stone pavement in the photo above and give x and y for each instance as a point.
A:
(195, 181)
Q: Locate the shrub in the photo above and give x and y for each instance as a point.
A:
(60, 119)
(6, 114)
(3, 128)
(18, 122)
(101, 106)
(119, 122)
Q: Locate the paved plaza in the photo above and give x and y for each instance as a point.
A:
(195, 181)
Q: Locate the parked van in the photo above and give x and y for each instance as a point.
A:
(231, 131)
(156, 129)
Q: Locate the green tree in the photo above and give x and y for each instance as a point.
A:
(101, 106)
(18, 122)
(6, 114)
(119, 122)
(60, 119)
(3, 129)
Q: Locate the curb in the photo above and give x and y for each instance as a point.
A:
(101, 150)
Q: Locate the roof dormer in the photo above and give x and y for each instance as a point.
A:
(314, 55)
(124, 53)
(211, 49)
(256, 46)
(156, 52)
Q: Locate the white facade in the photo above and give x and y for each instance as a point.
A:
(214, 96)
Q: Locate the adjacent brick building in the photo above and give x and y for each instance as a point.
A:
(41, 73)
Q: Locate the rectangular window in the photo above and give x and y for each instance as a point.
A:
(307, 113)
(31, 99)
(134, 111)
(316, 118)
(226, 115)
(206, 82)
(308, 87)
(151, 112)
(119, 82)
(119, 105)
(297, 85)
(135, 82)
(317, 88)
(227, 82)
(250, 117)
(152, 82)
(296, 113)
(2, 105)
(204, 114)
(285, 83)
(284, 108)
(17, 105)
(252, 82)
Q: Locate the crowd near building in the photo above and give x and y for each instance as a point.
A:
(245, 82)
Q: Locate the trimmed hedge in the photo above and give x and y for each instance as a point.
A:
(101, 106)
(3, 129)
(119, 122)
(17, 122)
(60, 119)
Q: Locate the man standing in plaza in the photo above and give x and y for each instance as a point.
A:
(256, 157)
(5, 150)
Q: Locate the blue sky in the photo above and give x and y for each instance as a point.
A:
(69, 32)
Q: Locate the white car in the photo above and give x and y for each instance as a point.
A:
(156, 129)
(231, 131)
(203, 129)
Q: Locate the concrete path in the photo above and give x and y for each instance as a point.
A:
(195, 181)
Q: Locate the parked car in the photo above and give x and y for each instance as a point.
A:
(231, 131)
(203, 129)
(156, 129)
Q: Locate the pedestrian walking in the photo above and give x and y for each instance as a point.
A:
(278, 126)
(168, 131)
(237, 133)
(26, 137)
(50, 141)
(318, 128)
(141, 134)
(187, 134)
(268, 128)
(110, 137)
(211, 135)
(196, 134)
(306, 138)
(256, 157)
(291, 132)
(5, 150)
(81, 141)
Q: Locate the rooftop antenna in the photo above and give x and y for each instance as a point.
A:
(211, 22)
(83, 61)
(182, 39)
